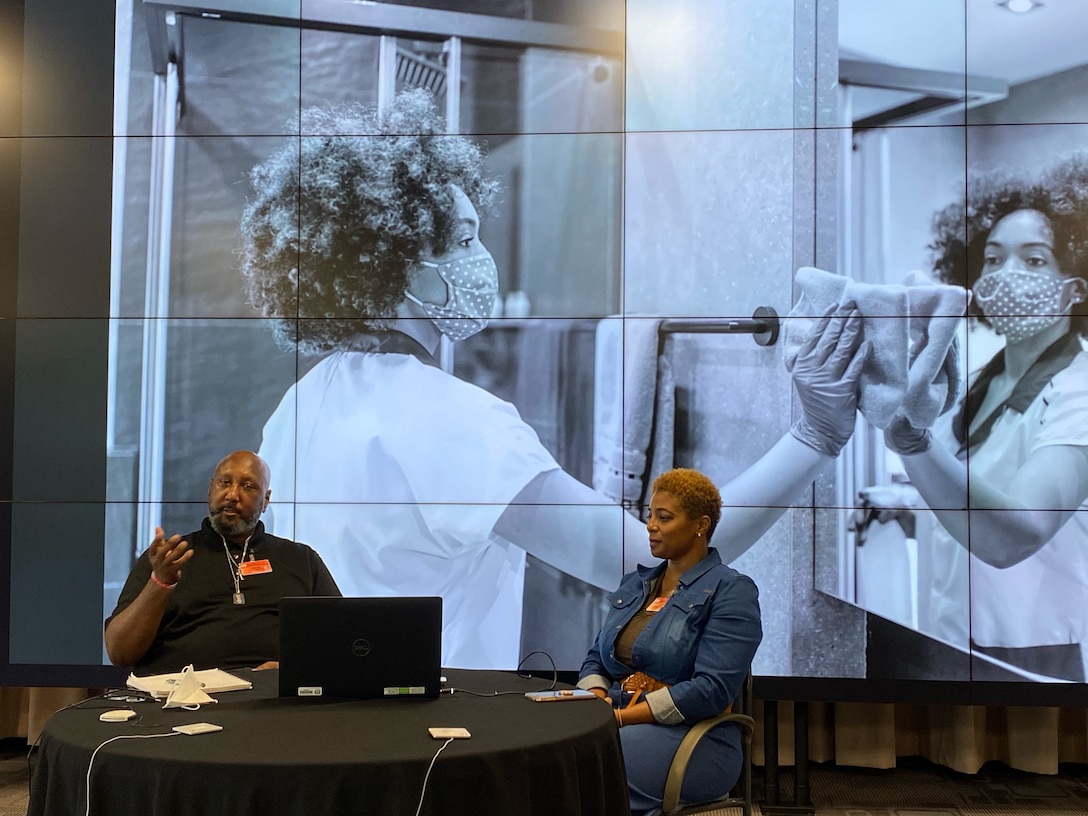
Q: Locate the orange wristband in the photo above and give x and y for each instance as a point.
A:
(162, 584)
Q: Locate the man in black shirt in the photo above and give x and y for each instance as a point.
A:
(211, 598)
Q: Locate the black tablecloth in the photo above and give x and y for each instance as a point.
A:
(321, 756)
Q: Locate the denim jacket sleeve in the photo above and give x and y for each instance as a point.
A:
(600, 668)
(593, 673)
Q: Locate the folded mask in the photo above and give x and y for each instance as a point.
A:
(187, 692)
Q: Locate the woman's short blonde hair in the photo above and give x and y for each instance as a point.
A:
(697, 495)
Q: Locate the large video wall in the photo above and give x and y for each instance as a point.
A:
(650, 175)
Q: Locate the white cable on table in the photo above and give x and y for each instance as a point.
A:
(427, 776)
(94, 753)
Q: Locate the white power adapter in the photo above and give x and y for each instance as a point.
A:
(449, 733)
(117, 715)
(197, 728)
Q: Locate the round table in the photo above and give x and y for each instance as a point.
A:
(324, 756)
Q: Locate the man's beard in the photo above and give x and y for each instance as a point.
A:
(237, 526)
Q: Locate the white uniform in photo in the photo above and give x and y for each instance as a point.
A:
(1043, 600)
(399, 472)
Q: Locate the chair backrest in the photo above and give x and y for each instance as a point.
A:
(739, 713)
(743, 703)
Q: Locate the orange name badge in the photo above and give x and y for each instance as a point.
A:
(255, 567)
(657, 604)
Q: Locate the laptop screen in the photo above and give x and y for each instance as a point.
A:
(360, 647)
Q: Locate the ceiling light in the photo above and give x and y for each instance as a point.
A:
(1020, 6)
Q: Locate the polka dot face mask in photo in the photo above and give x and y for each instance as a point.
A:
(1019, 303)
(473, 285)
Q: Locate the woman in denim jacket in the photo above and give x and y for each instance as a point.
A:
(692, 625)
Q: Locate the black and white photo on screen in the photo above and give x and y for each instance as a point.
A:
(644, 176)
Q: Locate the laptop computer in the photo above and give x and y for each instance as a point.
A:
(360, 647)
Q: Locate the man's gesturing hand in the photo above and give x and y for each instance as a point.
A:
(167, 555)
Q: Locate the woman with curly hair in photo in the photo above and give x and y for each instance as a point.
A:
(1016, 450)
(361, 243)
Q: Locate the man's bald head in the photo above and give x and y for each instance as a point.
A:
(245, 458)
(238, 494)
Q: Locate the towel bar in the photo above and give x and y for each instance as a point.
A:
(763, 325)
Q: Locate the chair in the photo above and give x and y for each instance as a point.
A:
(740, 712)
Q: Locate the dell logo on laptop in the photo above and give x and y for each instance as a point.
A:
(360, 648)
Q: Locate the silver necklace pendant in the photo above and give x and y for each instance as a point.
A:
(239, 599)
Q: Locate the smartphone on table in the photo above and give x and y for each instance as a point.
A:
(560, 695)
